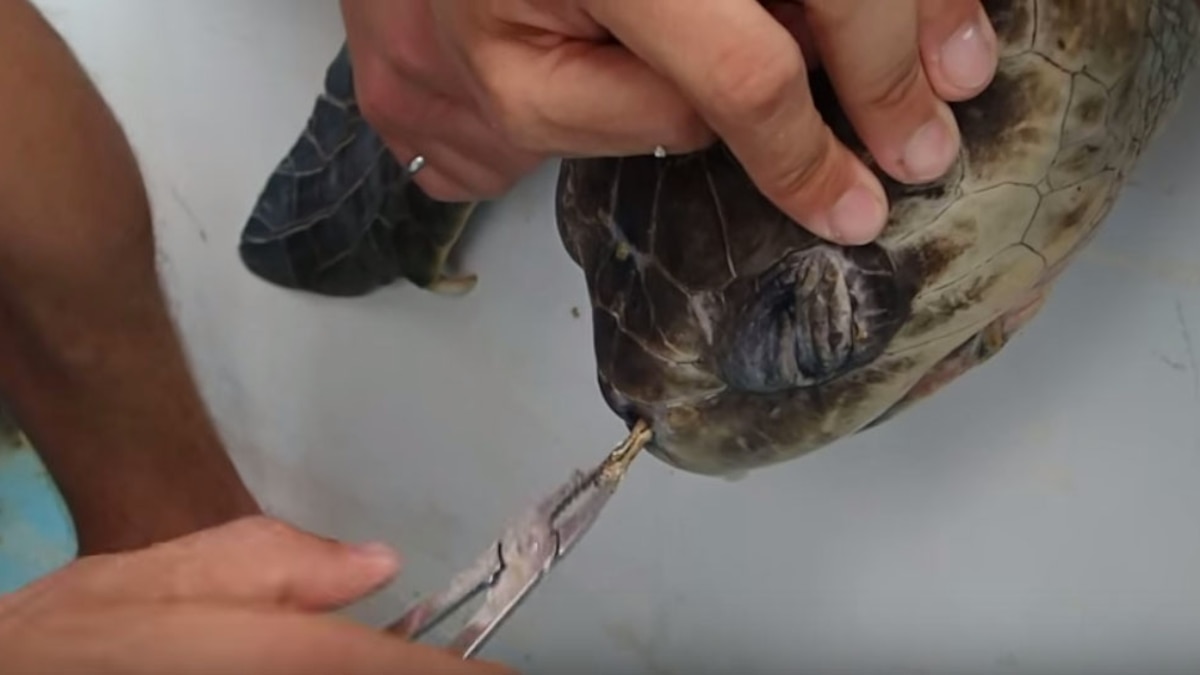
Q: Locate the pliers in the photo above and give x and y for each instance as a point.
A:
(526, 551)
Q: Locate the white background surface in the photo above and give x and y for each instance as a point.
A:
(1054, 531)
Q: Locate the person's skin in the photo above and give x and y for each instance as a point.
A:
(90, 363)
(94, 373)
(253, 597)
(485, 90)
(93, 369)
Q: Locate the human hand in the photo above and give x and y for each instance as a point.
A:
(416, 98)
(620, 77)
(247, 597)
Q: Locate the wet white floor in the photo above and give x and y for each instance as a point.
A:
(1038, 516)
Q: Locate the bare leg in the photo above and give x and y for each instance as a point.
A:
(90, 364)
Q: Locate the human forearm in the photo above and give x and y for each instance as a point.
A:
(91, 365)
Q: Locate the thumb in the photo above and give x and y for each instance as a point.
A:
(254, 561)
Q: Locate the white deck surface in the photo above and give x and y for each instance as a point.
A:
(1038, 516)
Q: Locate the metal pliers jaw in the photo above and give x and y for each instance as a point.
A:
(529, 547)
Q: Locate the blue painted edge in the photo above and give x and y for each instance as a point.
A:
(37, 535)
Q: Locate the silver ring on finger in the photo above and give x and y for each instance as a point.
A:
(660, 151)
(416, 165)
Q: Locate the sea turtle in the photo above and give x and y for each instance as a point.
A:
(339, 215)
(740, 338)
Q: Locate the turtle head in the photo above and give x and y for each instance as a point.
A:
(814, 315)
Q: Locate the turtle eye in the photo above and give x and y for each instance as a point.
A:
(814, 315)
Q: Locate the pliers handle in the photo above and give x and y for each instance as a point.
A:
(526, 551)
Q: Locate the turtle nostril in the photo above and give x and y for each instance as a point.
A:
(620, 405)
(814, 315)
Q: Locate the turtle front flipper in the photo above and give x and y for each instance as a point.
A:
(340, 216)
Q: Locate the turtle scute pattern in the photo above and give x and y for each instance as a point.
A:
(340, 216)
(746, 342)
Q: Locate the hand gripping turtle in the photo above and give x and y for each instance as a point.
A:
(738, 339)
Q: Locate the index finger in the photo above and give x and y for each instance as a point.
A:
(746, 76)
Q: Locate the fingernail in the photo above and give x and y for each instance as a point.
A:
(969, 56)
(377, 551)
(857, 216)
(931, 149)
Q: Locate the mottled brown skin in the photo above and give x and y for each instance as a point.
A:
(746, 342)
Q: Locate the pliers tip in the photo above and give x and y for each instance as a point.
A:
(531, 545)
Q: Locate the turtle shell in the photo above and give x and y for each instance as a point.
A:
(745, 341)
